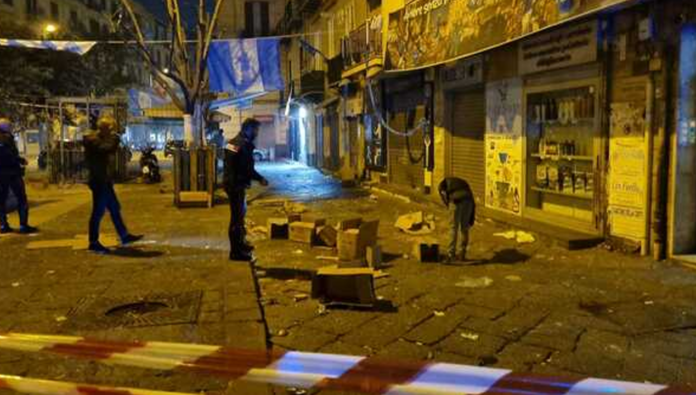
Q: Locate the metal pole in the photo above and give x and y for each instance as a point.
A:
(62, 140)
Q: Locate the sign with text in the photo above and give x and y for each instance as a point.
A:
(429, 32)
(569, 46)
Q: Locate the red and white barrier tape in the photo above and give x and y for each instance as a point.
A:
(326, 371)
(47, 387)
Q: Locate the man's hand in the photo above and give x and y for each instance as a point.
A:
(263, 182)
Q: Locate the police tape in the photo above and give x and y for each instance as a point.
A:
(326, 371)
(26, 385)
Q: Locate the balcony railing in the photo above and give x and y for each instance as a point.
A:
(363, 44)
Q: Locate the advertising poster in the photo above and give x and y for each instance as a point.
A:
(627, 178)
(504, 145)
(425, 32)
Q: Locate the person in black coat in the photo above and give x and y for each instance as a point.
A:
(12, 179)
(458, 197)
(239, 173)
(100, 148)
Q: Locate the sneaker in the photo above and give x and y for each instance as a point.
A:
(130, 239)
(27, 230)
(6, 229)
(98, 248)
(241, 256)
(449, 259)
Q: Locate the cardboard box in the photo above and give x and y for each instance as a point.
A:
(302, 232)
(368, 233)
(327, 235)
(278, 228)
(373, 256)
(425, 252)
(294, 218)
(352, 223)
(352, 287)
(317, 221)
(349, 245)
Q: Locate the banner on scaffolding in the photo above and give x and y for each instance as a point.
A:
(428, 32)
(76, 47)
(245, 67)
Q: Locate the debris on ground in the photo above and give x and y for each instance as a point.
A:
(300, 297)
(416, 223)
(15, 285)
(259, 230)
(520, 236)
(327, 258)
(282, 333)
(513, 277)
(270, 202)
(294, 208)
(439, 313)
(373, 197)
(298, 252)
(471, 282)
(470, 336)
(61, 318)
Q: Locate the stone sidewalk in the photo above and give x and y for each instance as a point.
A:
(176, 286)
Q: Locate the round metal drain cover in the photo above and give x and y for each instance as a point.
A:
(135, 310)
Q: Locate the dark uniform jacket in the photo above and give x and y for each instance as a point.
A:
(99, 153)
(456, 190)
(10, 161)
(239, 164)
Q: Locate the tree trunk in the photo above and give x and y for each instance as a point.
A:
(190, 131)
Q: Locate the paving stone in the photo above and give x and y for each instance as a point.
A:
(556, 332)
(675, 344)
(387, 328)
(341, 322)
(518, 322)
(405, 350)
(303, 339)
(433, 329)
(439, 299)
(521, 357)
(342, 348)
(484, 345)
(448, 357)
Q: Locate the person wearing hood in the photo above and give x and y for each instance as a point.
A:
(12, 179)
(239, 173)
(457, 195)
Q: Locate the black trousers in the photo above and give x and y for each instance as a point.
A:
(103, 199)
(16, 185)
(237, 229)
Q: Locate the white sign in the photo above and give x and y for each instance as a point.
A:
(568, 46)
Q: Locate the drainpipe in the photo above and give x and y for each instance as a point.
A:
(660, 165)
(650, 173)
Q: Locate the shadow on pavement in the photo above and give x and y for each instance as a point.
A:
(508, 256)
(126, 252)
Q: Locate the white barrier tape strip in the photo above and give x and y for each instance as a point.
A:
(327, 371)
(48, 387)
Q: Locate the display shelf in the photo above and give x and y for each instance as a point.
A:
(569, 123)
(584, 196)
(564, 157)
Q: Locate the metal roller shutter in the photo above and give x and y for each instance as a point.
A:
(467, 151)
(401, 170)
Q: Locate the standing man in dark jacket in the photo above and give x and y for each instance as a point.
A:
(239, 173)
(100, 148)
(458, 197)
(11, 179)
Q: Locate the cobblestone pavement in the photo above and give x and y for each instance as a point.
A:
(591, 312)
(542, 309)
(204, 298)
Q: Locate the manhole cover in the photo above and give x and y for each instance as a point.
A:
(135, 311)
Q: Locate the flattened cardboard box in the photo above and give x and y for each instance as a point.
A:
(353, 287)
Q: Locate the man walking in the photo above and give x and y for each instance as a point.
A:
(100, 148)
(458, 197)
(12, 179)
(239, 172)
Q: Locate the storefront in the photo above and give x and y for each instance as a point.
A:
(465, 119)
(406, 106)
(562, 127)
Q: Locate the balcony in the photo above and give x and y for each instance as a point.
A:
(335, 66)
(312, 83)
(295, 13)
(363, 44)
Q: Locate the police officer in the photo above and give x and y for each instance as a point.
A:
(11, 179)
(100, 148)
(239, 172)
(458, 197)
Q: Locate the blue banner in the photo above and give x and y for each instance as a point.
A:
(245, 67)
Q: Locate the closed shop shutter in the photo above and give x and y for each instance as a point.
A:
(402, 170)
(467, 151)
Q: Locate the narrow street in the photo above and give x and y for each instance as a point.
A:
(528, 307)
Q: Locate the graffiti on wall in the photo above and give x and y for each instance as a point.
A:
(627, 178)
(504, 145)
(426, 32)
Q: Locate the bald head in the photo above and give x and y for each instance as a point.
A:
(106, 124)
(5, 125)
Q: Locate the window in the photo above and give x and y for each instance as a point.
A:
(32, 8)
(332, 37)
(256, 18)
(55, 12)
(102, 5)
(94, 27)
(73, 18)
(8, 2)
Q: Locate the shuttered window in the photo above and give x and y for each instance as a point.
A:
(467, 151)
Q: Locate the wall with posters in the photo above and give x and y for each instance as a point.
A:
(504, 154)
(427, 32)
(627, 186)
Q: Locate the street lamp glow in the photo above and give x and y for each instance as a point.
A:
(50, 28)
